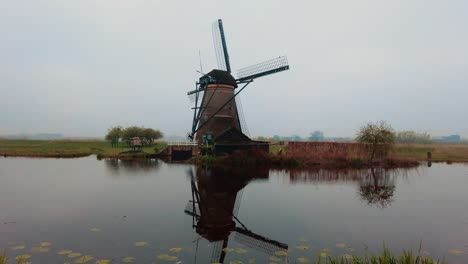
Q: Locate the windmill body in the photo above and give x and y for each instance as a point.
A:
(216, 111)
(216, 103)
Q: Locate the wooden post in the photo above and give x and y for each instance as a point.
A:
(429, 155)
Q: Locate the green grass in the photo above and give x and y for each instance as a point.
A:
(384, 257)
(65, 148)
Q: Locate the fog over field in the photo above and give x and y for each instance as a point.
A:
(79, 67)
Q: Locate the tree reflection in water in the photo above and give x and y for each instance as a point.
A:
(377, 187)
(115, 166)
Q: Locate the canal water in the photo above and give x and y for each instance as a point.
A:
(152, 212)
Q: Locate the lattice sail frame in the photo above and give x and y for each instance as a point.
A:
(263, 68)
(218, 46)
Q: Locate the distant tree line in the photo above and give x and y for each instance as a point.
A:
(118, 133)
(400, 137)
(410, 137)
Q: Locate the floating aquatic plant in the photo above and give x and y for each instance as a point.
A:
(241, 251)
(74, 255)
(23, 257)
(281, 253)
(167, 257)
(40, 249)
(128, 259)
(84, 259)
(65, 252)
(102, 261)
(18, 247)
(175, 249)
(303, 260)
(303, 247)
(227, 250)
(341, 245)
(45, 244)
(274, 259)
(455, 251)
(140, 244)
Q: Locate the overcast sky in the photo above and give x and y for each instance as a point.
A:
(79, 67)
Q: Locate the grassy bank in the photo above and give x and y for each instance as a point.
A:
(283, 161)
(66, 148)
(440, 152)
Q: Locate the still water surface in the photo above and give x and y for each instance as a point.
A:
(142, 209)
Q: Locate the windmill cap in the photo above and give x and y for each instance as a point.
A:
(220, 77)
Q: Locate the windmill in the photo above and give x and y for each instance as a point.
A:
(215, 93)
(216, 197)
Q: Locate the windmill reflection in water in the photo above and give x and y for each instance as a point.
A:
(216, 197)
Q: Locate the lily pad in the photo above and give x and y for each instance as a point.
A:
(455, 251)
(275, 259)
(45, 244)
(348, 256)
(128, 259)
(167, 257)
(303, 247)
(227, 250)
(341, 245)
(175, 249)
(281, 253)
(235, 262)
(40, 249)
(74, 255)
(65, 252)
(241, 251)
(103, 261)
(23, 257)
(18, 247)
(251, 260)
(140, 244)
(324, 254)
(303, 260)
(84, 259)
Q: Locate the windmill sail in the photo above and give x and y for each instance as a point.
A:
(262, 69)
(219, 41)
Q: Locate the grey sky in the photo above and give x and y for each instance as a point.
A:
(79, 67)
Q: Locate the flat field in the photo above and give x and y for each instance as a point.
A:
(66, 148)
(440, 152)
(416, 152)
